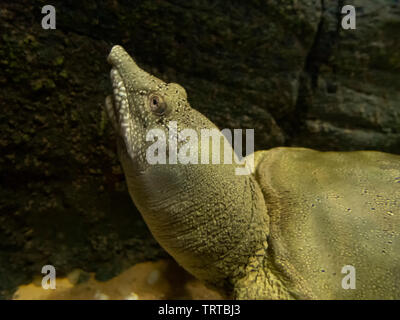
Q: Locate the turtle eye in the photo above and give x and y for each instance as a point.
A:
(157, 104)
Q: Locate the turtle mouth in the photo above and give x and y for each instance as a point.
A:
(117, 105)
(122, 109)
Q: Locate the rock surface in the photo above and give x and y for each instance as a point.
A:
(135, 283)
(284, 68)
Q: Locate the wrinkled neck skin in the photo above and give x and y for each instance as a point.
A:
(209, 219)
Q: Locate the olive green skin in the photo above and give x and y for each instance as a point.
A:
(283, 232)
(331, 209)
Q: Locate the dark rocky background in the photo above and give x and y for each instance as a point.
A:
(285, 68)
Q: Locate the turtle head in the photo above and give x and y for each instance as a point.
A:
(141, 102)
(202, 214)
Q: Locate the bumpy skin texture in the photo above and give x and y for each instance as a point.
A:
(209, 219)
(284, 232)
(331, 209)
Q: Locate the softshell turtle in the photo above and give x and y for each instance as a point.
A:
(286, 231)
